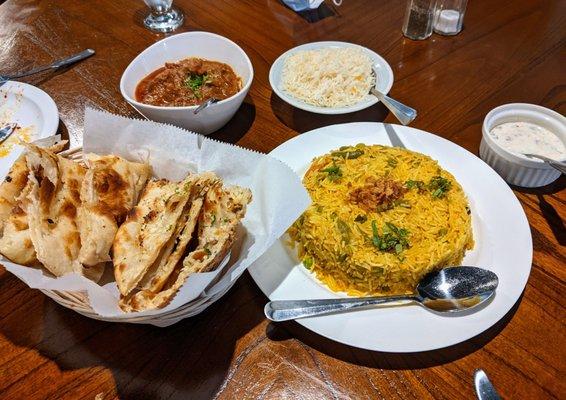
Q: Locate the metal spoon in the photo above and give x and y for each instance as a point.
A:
(484, 388)
(557, 165)
(450, 289)
(56, 65)
(207, 103)
(404, 114)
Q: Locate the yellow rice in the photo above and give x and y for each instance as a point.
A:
(439, 228)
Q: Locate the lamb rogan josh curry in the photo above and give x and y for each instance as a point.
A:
(188, 82)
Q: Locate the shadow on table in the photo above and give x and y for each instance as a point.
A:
(184, 361)
(547, 210)
(239, 125)
(303, 121)
(383, 360)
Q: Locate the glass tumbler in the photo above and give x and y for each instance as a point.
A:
(419, 15)
(163, 16)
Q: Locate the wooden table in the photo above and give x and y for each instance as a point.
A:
(509, 51)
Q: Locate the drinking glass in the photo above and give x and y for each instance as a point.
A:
(163, 16)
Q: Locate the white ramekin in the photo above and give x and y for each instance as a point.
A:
(517, 169)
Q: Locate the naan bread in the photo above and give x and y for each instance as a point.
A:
(109, 190)
(11, 188)
(147, 229)
(222, 211)
(51, 207)
(171, 254)
(15, 241)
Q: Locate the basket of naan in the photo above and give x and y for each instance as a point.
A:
(146, 223)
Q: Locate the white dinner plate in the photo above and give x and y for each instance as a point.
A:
(502, 237)
(383, 83)
(35, 113)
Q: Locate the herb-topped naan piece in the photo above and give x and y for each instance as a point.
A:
(221, 213)
(147, 229)
(110, 189)
(173, 251)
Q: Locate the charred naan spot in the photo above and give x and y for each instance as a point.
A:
(172, 206)
(46, 192)
(148, 295)
(121, 267)
(18, 179)
(17, 211)
(69, 210)
(73, 239)
(74, 190)
(102, 210)
(27, 243)
(150, 216)
(68, 252)
(134, 214)
(199, 255)
(108, 181)
(20, 225)
(155, 281)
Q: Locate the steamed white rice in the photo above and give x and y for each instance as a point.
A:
(329, 77)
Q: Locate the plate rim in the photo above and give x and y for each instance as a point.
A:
(329, 110)
(45, 104)
(504, 308)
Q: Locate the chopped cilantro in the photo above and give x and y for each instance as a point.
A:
(344, 230)
(410, 184)
(195, 83)
(393, 239)
(334, 172)
(392, 162)
(308, 262)
(348, 154)
(439, 186)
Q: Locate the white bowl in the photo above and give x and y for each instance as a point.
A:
(384, 80)
(517, 169)
(175, 48)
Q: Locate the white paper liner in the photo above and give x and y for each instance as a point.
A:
(279, 198)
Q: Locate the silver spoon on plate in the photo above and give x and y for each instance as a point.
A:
(404, 114)
(448, 290)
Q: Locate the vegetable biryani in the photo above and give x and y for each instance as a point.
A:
(381, 218)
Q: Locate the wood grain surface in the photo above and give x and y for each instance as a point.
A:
(509, 51)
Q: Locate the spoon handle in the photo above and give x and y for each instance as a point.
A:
(558, 165)
(404, 114)
(284, 310)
